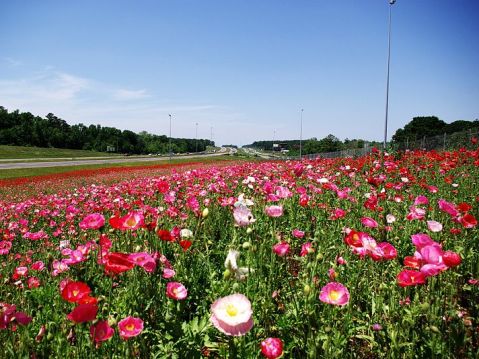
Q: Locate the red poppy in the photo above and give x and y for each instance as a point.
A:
(185, 244)
(163, 186)
(165, 235)
(410, 278)
(75, 291)
(451, 259)
(117, 262)
(468, 221)
(83, 313)
(412, 262)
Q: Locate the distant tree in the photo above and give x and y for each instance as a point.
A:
(420, 127)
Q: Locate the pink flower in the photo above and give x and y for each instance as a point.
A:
(421, 200)
(168, 273)
(130, 327)
(274, 211)
(243, 216)
(369, 222)
(434, 226)
(101, 331)
(175, 290)
(144, 260)
(5, 247)
(306, 249)
(421, 240)
(272, 348)
(334, 293)
(92, 221)
(232, 315)
(297, 233)
(448, 207)
(281, 249)
(341, 261)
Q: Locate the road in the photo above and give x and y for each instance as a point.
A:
(79, 162)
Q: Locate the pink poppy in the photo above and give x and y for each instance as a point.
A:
(421, 200)
(272, 348)
(306, 249)
(434, 226)
(177, 291)
(130, 327)
(101, 331)
(297, 233)
(369, 222)
(144, 260)
(274, 211)
(232, 315)
(281, 249)
(243, 216)
(92, 221)
(5, 247)
(334, 293)
(447, 207)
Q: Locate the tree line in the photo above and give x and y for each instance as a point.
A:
(418, 128)
(329, 143)
(24, 129)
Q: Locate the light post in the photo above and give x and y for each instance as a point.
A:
(391, 3)
(301, 135)
(196, 137)
(169, 140)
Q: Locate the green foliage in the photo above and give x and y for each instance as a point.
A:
(25, 129)
(429, 126)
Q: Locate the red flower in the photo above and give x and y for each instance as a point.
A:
(163, 186)
(410, 278)
(117, 263)
(83, 313)
(468, 221)
(272, 348)
(451, 259)
(185, 244)
(165, 235)
(412, 262)
(75, 291)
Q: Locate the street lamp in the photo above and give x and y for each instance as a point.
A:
(196, 137)
(391, 3)
(301, 135)
(169, 141)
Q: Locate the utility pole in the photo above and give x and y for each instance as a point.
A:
(391, 3)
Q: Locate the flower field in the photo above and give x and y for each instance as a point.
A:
(364, 258)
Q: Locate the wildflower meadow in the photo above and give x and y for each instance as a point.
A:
(370, 257)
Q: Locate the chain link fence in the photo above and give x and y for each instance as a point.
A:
(443, 142)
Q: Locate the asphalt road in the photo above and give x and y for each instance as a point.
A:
(78, 162)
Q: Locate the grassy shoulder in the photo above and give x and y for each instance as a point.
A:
(32, 172)
(27, 153)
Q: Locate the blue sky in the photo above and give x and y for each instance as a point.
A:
(244, 68)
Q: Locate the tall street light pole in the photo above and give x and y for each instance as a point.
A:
(391, 3)
(301, 135)
(169, 141)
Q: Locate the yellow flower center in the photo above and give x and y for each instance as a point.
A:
(334, 295)
(75, 292)
(129, 327)
(130, 222)
(231, 310)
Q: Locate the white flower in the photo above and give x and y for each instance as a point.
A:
(186, 233)
(231, 264)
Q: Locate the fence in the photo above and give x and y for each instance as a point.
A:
(441, 143)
